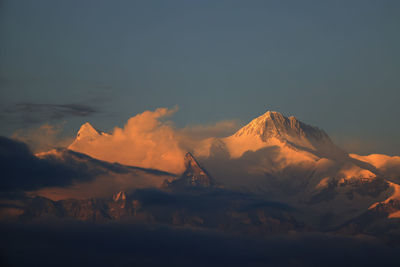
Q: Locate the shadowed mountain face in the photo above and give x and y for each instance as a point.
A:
(193, 176)
(209, 209)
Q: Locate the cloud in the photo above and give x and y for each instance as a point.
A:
(21, 170)
(85, 244)
(392, 168)
(147, 140)
(104, 184)
(63, 174)
(42, 138)
(35, 113)
(207, 204)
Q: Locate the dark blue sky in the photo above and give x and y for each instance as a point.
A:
(333, 64)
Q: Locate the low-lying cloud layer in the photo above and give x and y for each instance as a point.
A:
(133, 245)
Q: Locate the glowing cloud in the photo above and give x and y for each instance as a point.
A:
(145, 140)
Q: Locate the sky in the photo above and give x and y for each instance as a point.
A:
(332, 64)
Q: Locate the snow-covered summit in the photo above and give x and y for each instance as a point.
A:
(274, 129)
(274, 124)
(86, 134)
(87, 131)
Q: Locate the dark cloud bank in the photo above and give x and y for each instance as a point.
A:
(133, 245)
(21, 170)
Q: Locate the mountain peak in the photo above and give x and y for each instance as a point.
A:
(274, 124)
(86, 134)
(271, 113)
(193, 176)
(190, 161)
(272, 116)
(87, 131)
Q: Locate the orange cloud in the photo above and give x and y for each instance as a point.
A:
(146, 140)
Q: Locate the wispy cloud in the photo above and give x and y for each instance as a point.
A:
(44, 137)
(38, 112)
(21, 170)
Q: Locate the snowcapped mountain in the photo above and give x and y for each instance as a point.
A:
(276, 171)
(86, 134)
(290, 134)
(274, 128)
(283, 147)
(288, 160)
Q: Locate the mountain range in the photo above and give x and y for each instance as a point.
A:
(275, 174)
